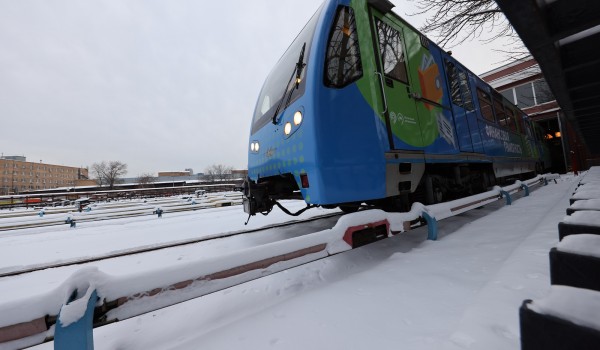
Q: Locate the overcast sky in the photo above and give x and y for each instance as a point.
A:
(159, 85)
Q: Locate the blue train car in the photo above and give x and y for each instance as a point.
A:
(362, 109)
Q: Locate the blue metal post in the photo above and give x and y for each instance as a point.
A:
(78, 335)
(526, 188)
(507, 196)
(432, 229)
(545, 182)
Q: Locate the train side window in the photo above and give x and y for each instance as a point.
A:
(392, 52)
(538, 133)
(520, 122)
(485, 105)
(528, 129)
(342, 61)
(511, 118)
(454, 82)
(499, 112)
(466, 91)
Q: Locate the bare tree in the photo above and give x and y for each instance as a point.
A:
(218, 172)
(145, 179)
(107, 174)
(453, 22)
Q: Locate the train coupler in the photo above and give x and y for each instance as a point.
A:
(256, 199)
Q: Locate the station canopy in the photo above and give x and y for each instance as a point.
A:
(564, 38)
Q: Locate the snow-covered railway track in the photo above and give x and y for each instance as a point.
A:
(114, 297)
(35, 222)
(151, 248)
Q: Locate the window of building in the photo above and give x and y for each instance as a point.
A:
(342, 61)
(392, 52)
(509, 95)
(485, 105)
(525, 95)
(543, 94)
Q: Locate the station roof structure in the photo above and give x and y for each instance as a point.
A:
(564, 38)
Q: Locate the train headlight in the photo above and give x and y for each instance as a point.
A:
(297, 118)
(252, 146)
(287, 129)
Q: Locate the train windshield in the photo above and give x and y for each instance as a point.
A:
(278, 81)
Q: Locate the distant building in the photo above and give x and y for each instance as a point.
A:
(17, 175)
(173, 173)
(523, 83)
(239, 174)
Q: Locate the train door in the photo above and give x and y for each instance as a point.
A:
(463, 108)
(392, 69)
(460, 104)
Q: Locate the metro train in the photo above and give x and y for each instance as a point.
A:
(364, 110)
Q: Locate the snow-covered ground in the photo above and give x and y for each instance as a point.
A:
(462, 291)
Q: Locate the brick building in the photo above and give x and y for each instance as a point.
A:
(523, 83)
(174, 173)
(18, 175)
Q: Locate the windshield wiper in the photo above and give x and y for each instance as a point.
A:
(298, 72)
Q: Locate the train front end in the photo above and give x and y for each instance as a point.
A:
(281, 158)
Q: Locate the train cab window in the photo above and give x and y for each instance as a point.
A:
(279, 81)
(392, 52)
(342, 61)
(485, 105)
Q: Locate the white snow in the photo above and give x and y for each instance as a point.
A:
(587, 194)
(582, 244)
(578, 305)
(74, 311)
(583, 217)
(586, 204)
(462, 291)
